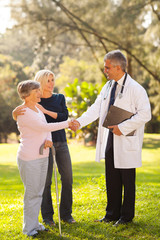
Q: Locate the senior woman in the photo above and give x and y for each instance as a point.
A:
(34, 131)
(55, 110)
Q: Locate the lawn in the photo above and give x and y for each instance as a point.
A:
(89, 197)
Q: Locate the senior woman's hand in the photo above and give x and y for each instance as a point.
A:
(74, 125)
(48, 143)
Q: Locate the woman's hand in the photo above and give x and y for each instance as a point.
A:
(45, 111)
(48, 143)
(41, 108)
(20, 110)
(74, 125)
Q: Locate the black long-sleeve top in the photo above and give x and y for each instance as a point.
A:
(56, 103)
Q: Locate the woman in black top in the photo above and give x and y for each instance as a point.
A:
(55, 110)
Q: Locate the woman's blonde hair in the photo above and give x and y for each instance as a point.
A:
(42, 77)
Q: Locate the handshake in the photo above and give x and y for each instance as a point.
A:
(74, 125)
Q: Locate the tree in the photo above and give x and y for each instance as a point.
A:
(18, 44)
(73, 68)
(81, 95)
(11, 73)
(125, 16)
(7, 125)
(76, 29)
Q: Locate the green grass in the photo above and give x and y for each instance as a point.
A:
(89, 197)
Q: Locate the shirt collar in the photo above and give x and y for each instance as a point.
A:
(120, 81)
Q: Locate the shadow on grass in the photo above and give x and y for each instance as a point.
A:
(86, 228)
(9, 178)
(151, 143)
(148, 178)
(82, 172)
(8, 171)
(88, 170)
(91, 230)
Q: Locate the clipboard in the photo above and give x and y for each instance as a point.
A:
(117, 115)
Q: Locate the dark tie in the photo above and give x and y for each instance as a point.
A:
(112, 98)
(111, 102)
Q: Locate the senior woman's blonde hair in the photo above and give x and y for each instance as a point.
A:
(42, 77)
(24, 88)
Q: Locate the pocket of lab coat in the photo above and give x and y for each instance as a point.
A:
(131, 143)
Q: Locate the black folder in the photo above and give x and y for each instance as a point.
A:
(115, 116)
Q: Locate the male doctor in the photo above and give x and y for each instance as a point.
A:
(122, 153)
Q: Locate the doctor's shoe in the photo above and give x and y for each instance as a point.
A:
(106, 220)
(121, 222)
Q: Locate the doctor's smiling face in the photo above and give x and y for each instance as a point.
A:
(112, 71)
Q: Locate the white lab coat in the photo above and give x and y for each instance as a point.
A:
(127, 149)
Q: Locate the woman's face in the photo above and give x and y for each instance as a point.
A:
(35, 96)
(49, 86)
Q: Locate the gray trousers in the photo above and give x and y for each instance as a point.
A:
(33, 174)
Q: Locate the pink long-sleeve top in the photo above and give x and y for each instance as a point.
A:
(34, 130)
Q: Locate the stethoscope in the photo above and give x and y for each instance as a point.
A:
(122, 88)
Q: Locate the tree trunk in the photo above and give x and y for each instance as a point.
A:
(129, 67)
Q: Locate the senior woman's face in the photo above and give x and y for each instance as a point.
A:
(35, 95)
(49, 86)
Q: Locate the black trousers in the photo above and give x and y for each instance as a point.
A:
(120, 185)
(65, 169)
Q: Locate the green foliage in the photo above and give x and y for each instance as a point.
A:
(47, 31)
(71, 68)
(18, 44)
(79, 97)
(7, 125)
(89, 197)
(11, 72)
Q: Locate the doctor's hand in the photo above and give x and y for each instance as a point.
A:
(115, 130)
(74, 125)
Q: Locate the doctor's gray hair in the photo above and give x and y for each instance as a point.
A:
(24, 88)
(117, 58)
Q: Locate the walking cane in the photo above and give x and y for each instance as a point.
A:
(56, 184)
